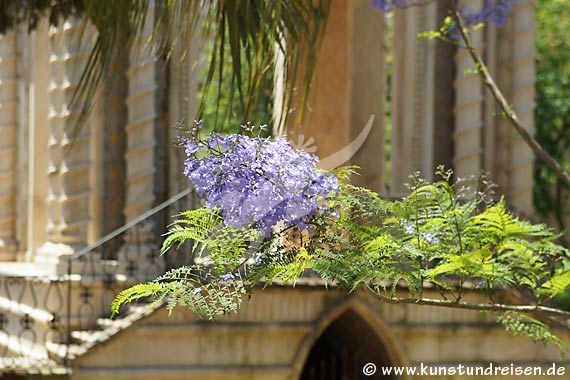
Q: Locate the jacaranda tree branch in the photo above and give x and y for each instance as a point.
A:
(501, 100)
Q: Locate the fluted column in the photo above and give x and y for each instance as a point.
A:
(516, 77)
(8, 143)
(141, 167)
(469, 107)
(182, 107)
(69, 149)
(413, 95)
(483, 139)
(182, 104)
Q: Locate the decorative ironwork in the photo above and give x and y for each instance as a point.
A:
(42, 318)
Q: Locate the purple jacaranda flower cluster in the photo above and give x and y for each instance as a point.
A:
(255, 181)
(430, 238)
(408, 228)
(388, 5)
(495, 11)
(227, 277)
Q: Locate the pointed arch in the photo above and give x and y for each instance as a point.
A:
(352, 311)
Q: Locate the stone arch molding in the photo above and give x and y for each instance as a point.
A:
(359, 305)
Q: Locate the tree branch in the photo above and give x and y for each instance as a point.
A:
(527, 309)
(506, 108)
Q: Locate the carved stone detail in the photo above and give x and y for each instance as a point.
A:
(69, 166)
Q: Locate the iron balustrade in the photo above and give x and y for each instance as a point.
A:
(42, 316)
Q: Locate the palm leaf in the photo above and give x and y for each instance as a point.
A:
(255, 31)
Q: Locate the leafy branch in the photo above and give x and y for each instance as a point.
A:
(359, 240)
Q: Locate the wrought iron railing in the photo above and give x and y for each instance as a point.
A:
(41, 316)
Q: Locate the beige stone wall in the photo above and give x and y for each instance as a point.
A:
(183, 91)
(272, 335)
(142, 107)
(38, 152)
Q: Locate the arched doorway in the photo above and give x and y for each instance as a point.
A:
(344, 348)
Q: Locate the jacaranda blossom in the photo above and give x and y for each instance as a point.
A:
(257, 182)
(388, 5)
(495, 11)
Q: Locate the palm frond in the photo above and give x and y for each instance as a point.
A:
(253, 32)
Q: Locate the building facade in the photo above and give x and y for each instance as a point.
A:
(64, 190)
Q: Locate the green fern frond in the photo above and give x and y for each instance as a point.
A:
(211, 300)
(195, 225)
(184, 273)
(497, 224)
(343, 173)
(556, 285)
(439, 234)
(478, 263)
(335, 267)
(138, 291)
(524, 260)
(532, 328)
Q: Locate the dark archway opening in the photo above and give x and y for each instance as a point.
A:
(344, 348)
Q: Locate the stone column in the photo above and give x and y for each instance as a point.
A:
(182, 104)
(68, 148)
(115, 116)
(348, 87)
(182, 107)
(483, 139)
(413, 95)
(469, 107)
(8, 144)
(143, 104)
(515, 54)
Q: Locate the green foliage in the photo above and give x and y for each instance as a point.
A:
(552, 111)
(195, 287)
(221, 109)
(442, 33)
(137, 292)
(445, 236)
(521, 324)
(194, 225)
(557, 285)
